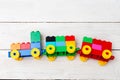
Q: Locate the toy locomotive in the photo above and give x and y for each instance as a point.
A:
(62, 46)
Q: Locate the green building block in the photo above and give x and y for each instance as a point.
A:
(61, 49)
(50, 55)
(87, 39)
(73, 54)
(61, 53)
(35, 36)
(60, 38)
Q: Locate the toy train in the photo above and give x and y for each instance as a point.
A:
(62, 46)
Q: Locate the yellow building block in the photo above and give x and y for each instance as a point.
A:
(70, 43)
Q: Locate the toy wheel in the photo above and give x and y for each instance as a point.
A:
(106, 54)
(71, 49)
(102, 63)
(35, 52)
(15, 54)
(86, 49)
(50, 49)
(70, 57)
(52, 58)
(84, 59)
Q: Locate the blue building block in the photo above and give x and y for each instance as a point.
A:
(25, 53)
(9, 54)
(60, 43)
(36, 45)
(50, 43)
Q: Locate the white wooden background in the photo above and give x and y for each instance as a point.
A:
(94, 18)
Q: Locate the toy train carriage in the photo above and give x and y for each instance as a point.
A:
(34, 49)
(96, 49)
(60, 46)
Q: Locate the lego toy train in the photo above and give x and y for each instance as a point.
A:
(62, 46)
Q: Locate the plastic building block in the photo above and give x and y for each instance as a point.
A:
(60, 38)
(9, 54)
(15, 46)
(61, 49)
(96, 46)
(25, 46)
(25, 53)
(34, 49)
(35, 36)
(50, 43)
(36, 45)
(87, 39)
(70, 43)
(50, 38)
(70, 38)
(60, 43)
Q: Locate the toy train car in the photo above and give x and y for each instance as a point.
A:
(62, 46)
(34, 49)
(96, 49)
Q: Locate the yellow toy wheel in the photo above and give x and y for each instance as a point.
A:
(102, 63)
(86, 49)
(70, 57)
(50, 49)
(35, 52)
(52, 58)
(71, 49)
(84, 59)
(15, 54)
(106, 54)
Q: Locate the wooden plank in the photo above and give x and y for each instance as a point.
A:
(60, 11)
(43, 69)
(17, 32)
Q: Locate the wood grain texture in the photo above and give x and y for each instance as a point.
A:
(97, 18)
(59, 69)
(21, 32)
(60, 10)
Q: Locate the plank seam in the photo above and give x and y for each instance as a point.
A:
(59, 22)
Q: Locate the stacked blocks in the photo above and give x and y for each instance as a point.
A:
(50, 44)
(70, 45)
(36, 49)
(25, 49)
(96, 49)
(35, 36)
(19, 50)
(60, 46)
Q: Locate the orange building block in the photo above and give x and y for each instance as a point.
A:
(15, 46)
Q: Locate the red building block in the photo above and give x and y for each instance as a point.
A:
(106, 45)
(25, 46)
(70, 38)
